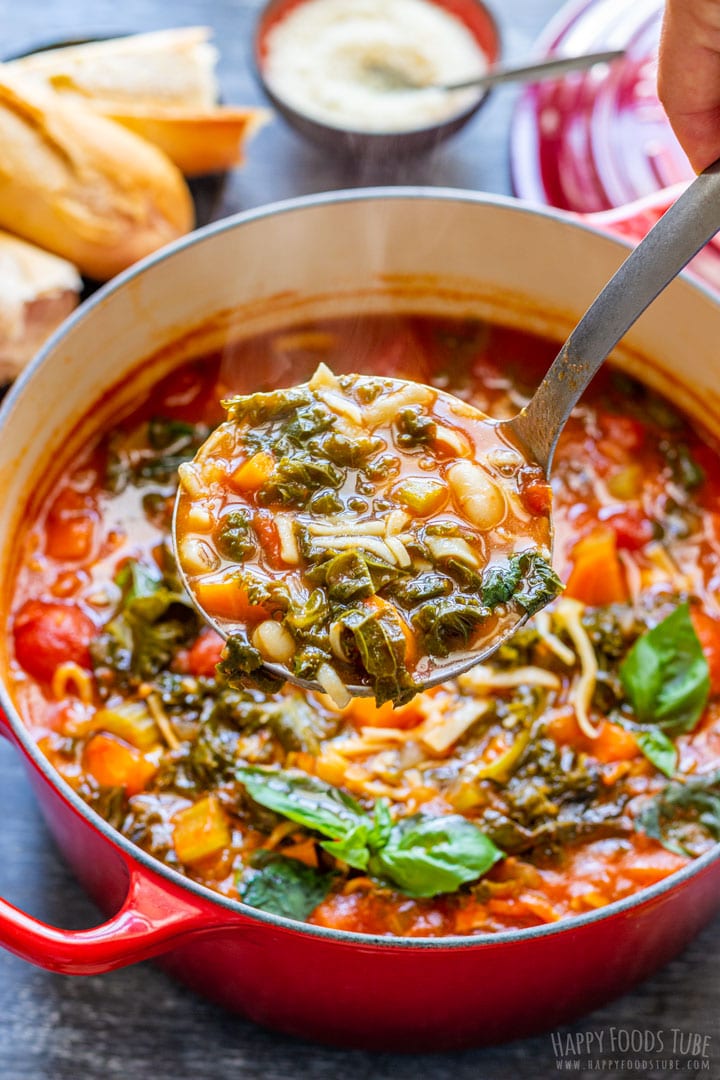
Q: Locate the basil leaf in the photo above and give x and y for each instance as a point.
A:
(665, 675)
(352, 848)
(304, 799)
(659, 749)
(284, 886)
(425, 856)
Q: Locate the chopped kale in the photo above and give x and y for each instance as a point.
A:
(294, 479)
(414, 427)
(685, 815)
(448, 623)
(350, 453)
(684, 469)
(152, 621)
(380, 647)
(411, 591)
(499, 582)
(235, 538)
(539, 584)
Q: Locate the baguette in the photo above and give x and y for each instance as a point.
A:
(197, 142)
(167, 68)
(160, 85)
(37, 291)
(82, 186)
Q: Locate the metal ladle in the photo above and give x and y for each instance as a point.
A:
(387, 76)
(682, 231)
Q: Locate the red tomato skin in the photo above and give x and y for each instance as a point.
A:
(47, 634)
(632, 530)
(624, 431)
(204, 654)
(708, 632)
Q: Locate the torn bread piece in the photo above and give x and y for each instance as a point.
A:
(37, 291)
(161, 86)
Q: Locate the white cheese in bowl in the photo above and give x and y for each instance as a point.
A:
(325, 59)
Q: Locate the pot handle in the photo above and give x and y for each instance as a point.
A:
(149, 921)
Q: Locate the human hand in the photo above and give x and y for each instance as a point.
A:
(689, 76)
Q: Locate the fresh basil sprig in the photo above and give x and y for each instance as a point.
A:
(685, 815)
(666, 676)
(420, 855)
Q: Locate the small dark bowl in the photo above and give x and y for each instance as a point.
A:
(370, 144)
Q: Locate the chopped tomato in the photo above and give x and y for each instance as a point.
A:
(535, 492)
(267, 534)
(115, 764)
(624, 432)
(632, 529)
(47, 634)
(597, 575)
(708, 632)
(204, 654)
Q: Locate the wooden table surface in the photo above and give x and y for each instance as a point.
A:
(136, 1023)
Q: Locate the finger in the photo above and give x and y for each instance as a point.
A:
(689, 76)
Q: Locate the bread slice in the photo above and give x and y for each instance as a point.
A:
(160, 85)
(37, 291)
(197, 142)
(81, 185)
(166, 68)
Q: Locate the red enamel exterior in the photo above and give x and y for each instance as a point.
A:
(330, 986)
(338, 989)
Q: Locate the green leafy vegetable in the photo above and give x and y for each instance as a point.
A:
(425, 856)
(447, 624)
(499, 582)
(153, 620)
(284, 886)
(294, 479)
(421, 855)
(414, 427)
(539, 584)
(685, 816)
(235, 537)
(666, 676)
(256, 409)
(347, 578)
(684, 468)
(380, 645)
(659, 749)
(411, 591)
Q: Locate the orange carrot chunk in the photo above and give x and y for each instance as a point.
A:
(115, 764)
(253, 473)
(597, 575)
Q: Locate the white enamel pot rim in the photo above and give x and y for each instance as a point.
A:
(535, 257)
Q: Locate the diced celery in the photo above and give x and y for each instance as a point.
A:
(130, 721)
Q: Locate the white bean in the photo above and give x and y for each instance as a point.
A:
(480, 499)
(274, 641)
(196, 556)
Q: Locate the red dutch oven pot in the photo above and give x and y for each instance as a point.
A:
(376, 250)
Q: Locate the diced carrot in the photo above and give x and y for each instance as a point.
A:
(115, 764)
(200, 830)
(597, 575)
(363, 712)
(645, 868)
(564, 728)
(708, 632)
(614, 743)
(228, 600)
(70, 538)
(304, 852)
(539, 905)
(70, 525)
(253, 473)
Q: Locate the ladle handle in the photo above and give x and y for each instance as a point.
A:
(679, 234)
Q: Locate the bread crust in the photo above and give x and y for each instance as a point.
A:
(82, 186)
